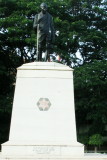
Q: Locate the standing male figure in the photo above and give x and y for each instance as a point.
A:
(43, 23)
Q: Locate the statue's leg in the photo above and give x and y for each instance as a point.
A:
(48, 49)
(39, 58)
(40, 46)
(40, 54)
(48, 52)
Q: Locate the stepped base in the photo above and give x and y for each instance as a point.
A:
(42, 150)
(85, 157)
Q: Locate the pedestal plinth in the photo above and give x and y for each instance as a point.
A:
(43, 117)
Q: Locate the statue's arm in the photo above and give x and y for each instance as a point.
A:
(35, 23)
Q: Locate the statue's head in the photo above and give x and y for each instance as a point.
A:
(44, 7)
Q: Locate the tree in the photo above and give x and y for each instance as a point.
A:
(85, 30)
(90, 98)
(96, 140)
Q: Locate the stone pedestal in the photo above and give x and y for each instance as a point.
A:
(43, 117)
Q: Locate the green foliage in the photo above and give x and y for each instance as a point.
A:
(82, 25)
(90, 98)
(96, 140)
(84, 139)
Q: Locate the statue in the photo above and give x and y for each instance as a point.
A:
(43, 24)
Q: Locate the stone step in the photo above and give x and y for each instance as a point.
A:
(85, 157)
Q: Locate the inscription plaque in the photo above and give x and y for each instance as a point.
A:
(50, 150)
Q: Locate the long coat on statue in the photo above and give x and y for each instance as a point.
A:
(43, 24)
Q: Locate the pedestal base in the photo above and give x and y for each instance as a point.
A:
(43, 150)
(43, 122)
(85, 157)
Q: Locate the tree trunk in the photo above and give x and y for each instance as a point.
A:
(95, 149)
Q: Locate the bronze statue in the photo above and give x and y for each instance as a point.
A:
(43, 24)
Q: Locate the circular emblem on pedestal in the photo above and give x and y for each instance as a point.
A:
(43, 104)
